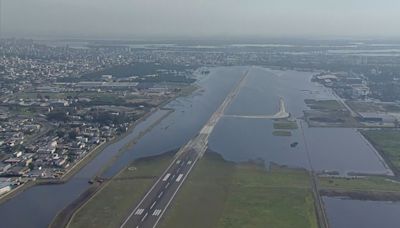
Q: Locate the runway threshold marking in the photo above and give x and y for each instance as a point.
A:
(179, 177)
(139, 211)
(157, 212)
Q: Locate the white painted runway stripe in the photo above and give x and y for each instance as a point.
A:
(159, 195)
(154, 203)
(179, 177)
(157, 212)
(139, 211)
(145, 216)
(166, 177)
(151, 189)
(167, 185)
(189, 162)
(179, 161)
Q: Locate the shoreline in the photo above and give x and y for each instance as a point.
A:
(190, 89)
(395, 170)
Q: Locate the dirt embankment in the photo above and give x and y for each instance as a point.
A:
(62, 218)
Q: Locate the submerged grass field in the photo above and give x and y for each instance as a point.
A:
(387, 142)
(223, 194)
(281, 133)
(324, 105)
(285, 125)
(112, 203)
(360, 184)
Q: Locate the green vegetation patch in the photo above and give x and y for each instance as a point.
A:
(112, 203)
(223, 194)
(282, 133)
(388, 143)
(289, 125)
(361, 106)
(324, 105)
(359, 184)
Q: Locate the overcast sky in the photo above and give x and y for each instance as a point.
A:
(201, 18)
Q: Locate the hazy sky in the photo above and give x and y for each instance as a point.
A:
(206, 18)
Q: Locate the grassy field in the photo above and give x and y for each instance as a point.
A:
(388, 143)
(112, 203)
(361, 184)
(373, 106)
(328, 113)
(324, 105)
(282, 133)
(285, 125)
(222, 194)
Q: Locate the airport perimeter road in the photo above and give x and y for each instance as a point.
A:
(151, 208)
(281, 114)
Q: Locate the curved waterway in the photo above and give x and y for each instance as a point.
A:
(37, 206)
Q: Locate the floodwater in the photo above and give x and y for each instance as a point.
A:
(236, 139)
(38, 205)
(334, 149)
(348, 213)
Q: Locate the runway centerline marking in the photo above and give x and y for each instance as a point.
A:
(145, 216)
(154, 203)
(159, 195)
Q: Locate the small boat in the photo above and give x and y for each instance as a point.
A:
(294, 144)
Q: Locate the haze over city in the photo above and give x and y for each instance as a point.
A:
(201, 18)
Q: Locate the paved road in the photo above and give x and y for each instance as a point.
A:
(151, 208)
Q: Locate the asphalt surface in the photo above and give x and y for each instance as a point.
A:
(151, 208)
(148, 212)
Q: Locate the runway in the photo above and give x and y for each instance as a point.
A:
(148, 212)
